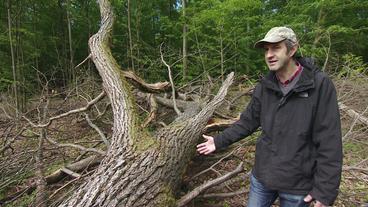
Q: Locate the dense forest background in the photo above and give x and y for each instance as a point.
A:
(218, 36)
(46, 71)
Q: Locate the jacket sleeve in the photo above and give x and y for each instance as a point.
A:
(249, 121)
(326, 135)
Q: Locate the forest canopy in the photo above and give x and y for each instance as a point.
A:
(51, 36)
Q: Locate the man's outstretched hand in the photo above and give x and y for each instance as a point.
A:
(206, 147)
(309, 198)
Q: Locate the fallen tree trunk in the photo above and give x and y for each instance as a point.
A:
(139, 169)
(56, 176)
(353, 114)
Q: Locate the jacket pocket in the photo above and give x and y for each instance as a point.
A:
(287, 171)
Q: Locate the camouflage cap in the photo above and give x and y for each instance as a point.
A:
(277, 34)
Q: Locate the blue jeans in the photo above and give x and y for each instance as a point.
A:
(260, 196)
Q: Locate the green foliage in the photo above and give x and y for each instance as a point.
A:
(353, 66)
(226, 204)
(227, 28)
(24, 201)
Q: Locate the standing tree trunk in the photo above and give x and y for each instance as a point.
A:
(222, 53)
(139, 169)
(41, 191)
(137, 25)
(15, 86)
(185, 43)
(130, 36)
(72, 76)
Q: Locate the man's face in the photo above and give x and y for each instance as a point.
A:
(276, 55)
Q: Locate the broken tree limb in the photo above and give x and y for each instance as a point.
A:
(8, 144)
(220, 124)
(85, 108)
(360, 169)
(198, 190)
(248, 92)
(353, 114)
(97, 129)
(225, 195)
(143, 86)
(55, 177)
(153, 110)
(81, 63)
(179, 103)
(77, 167)
(80, 147)
(70, 172)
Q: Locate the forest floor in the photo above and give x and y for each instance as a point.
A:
(17, 162)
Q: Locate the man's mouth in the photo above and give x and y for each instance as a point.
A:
(271, 62)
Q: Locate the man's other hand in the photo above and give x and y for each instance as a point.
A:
(309, 198)
(206, 147)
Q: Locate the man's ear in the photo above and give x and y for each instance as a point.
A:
(293, 50)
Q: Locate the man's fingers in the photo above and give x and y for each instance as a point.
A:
(308, 198)
(201, 145)
(206, 137)
(202, 150)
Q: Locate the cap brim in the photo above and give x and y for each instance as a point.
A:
(261, 42)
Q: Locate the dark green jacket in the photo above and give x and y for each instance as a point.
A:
(300, 148)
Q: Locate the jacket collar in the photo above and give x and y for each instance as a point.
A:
(305, 82)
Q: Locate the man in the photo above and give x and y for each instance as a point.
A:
(299, 152)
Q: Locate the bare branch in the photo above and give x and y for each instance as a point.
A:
(216, 163)
(354, 114)
(153, 110)
(198, 190)
(178, 112)
(6, 114)
(70, 172)
(85, 108)
(7, 145)
(143, 86)
(55, 177)
(347, 168)
(75, 146)
(225, 195)
(88, 57)
(98, 130)
(220, 124)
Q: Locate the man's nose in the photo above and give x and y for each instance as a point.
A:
(269, 54)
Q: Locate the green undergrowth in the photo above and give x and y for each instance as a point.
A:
(24, 201)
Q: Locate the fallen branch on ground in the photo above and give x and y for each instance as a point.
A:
(56, 176)
(353, 114)
(85, 108)
(198, 190)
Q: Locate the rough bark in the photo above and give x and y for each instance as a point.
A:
(138, 169)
